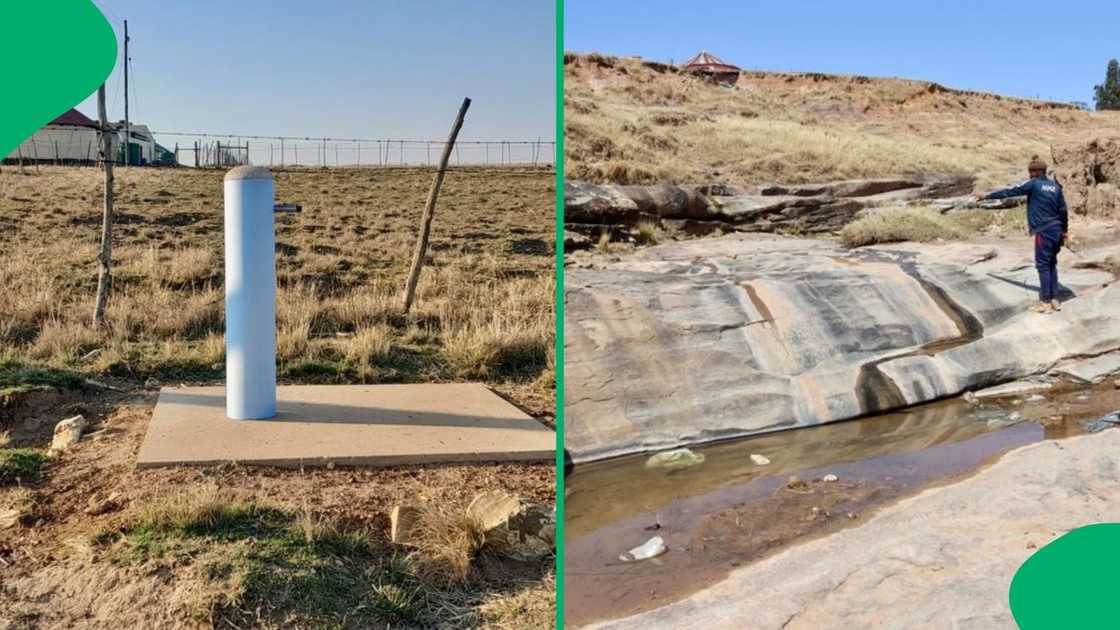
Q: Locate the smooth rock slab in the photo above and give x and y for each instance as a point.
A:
(1091, 370)
(725, 337)
(1013, 389)
(941, 559)
(368, 425)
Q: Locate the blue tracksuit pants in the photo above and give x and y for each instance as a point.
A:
(1046, 246)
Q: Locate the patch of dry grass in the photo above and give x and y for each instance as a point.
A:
(239, 561)
(446, 541)
(647, 233)
(923, 225)
(632, 122)
(533, 606)
(484, 307)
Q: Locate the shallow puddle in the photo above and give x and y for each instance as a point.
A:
(728, 511)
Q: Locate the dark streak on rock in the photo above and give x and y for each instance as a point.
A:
(758, 303)
(874, 389)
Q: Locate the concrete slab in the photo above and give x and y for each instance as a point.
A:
(368, 425)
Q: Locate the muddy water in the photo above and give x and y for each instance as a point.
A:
(728, 511)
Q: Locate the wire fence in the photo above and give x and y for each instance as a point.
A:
(207, 150)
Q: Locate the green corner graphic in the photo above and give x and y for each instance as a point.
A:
(1071, 582)
(43, 81)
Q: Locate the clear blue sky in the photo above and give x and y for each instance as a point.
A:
(1030, 48)
(338, 68)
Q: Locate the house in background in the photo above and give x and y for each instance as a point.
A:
(712, 68)
(71, 138)
(141, 144)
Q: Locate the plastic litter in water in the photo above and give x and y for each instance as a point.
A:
(650, 549)
(679, 458)
(759, 460)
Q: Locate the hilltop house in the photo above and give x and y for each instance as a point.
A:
(712, 68)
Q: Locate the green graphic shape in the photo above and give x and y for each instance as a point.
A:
(59, 52)
(1071, 582)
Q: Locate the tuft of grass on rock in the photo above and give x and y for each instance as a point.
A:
(647, 233)
(900, 224)
(924, 225)
(603, 246)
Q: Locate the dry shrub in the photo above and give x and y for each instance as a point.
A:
(445, 541)
(603, 245)
(298, 306)
(367, 346)
(368, 305)
(647, 233)
(511, 341)
(60, 341)
(29, 301)
(190, 265)
(899, 224)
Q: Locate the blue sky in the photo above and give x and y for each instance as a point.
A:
(1023, 48)
(338, 68)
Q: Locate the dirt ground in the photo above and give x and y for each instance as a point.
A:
(484, 313)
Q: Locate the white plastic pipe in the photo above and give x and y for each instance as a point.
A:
(250, 294)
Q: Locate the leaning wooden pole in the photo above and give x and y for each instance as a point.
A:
(105, 256)
(430, 207)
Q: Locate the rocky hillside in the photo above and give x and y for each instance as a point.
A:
(628, 121)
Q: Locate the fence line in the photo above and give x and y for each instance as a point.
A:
(327, 151)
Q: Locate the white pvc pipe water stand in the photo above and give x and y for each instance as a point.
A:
(250, 293)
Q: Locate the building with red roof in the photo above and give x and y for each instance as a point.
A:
(71, 138)
(712, 68)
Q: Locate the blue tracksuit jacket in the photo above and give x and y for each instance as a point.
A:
(1046, 207)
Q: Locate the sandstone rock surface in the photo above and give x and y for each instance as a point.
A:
(941, 559)
(723, 337)
(807, 208)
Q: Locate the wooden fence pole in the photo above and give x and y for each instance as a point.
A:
(429, 208)
(104, 258)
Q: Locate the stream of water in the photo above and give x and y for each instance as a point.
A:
(729, 511)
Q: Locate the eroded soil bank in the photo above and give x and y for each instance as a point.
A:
(729, 512)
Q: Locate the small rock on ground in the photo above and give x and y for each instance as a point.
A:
(67, 433)
(402, 523)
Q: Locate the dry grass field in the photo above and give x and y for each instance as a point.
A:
(237, 547)
(632, 122)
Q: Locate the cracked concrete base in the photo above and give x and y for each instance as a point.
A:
(367, 425)
(941, 559)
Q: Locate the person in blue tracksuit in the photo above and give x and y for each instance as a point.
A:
(1048, 220)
